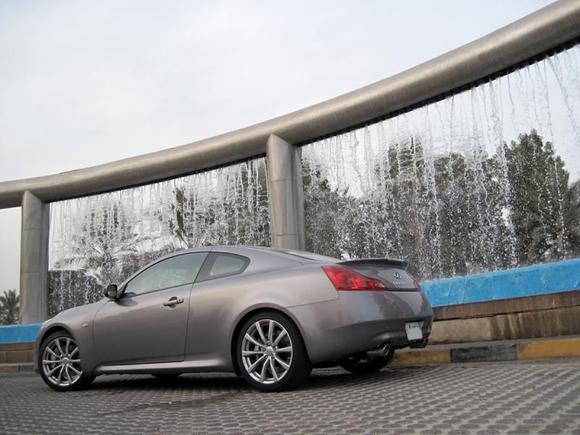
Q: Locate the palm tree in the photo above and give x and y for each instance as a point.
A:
(9, 307)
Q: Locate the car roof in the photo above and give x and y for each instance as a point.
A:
(291, 254)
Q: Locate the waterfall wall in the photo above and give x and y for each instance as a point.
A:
(102, 239)
(486, 179)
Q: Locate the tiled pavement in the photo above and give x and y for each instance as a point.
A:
(518, 397)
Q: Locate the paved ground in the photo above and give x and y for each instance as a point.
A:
(518, 397)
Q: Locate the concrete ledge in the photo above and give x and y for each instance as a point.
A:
(550, 315)
(492, 351)
(508, 306)
(13, 368)
(16, 353)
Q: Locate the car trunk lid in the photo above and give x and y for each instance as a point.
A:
(391, 272)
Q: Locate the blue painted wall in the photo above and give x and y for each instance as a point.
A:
(503, 284)
(19, 333)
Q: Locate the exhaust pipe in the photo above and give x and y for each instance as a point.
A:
(380, 351)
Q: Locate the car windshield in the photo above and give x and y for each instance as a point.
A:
(303, 255)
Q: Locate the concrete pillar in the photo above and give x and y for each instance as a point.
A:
(34, 259)
(286, 194)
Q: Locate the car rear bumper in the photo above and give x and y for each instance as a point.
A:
(359, 321)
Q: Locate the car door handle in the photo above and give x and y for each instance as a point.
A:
(173, 301)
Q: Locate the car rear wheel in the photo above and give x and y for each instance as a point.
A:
(271, 354)
(59, 363)
(361, 364)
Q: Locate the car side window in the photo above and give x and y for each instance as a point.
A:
(172, 272)
(220, 265)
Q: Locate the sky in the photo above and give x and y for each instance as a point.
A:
(84, 83)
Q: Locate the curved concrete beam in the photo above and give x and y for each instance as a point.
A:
(525, 40)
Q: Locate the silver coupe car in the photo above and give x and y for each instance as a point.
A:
(269, 315)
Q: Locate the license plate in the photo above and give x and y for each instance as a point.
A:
(413, 330)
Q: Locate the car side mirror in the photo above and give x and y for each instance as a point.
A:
(111, 291)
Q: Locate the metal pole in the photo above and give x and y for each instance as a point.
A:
(34, 259)
(285, 190)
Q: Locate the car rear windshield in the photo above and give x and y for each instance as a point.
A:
(303, 255)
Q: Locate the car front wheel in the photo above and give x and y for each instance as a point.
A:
(271, 354)
(59, 363)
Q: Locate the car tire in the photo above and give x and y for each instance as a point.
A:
(59, 363)
(272, 359)
(362, 364)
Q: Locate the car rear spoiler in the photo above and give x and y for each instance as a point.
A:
(389, 262)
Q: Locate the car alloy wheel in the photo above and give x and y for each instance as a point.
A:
(267, 351)
(270, 352)
(60, 363)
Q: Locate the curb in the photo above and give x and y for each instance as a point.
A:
(517, 350)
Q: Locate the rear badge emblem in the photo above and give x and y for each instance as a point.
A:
(396, 275)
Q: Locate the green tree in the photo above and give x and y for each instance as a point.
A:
(542, 205)
(9, 307)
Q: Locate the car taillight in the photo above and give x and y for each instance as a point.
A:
(346, 279)
(417, 285)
